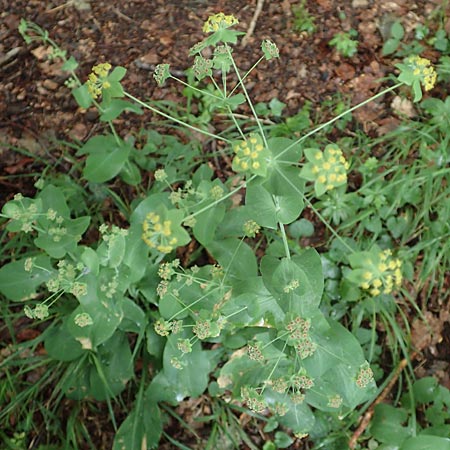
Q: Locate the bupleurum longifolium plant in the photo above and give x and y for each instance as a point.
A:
(245, 323)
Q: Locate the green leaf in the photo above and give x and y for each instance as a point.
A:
(299, 418)
(297, 284)
(397, 30)
(426, 443)
(130, 173)
(282, 439)
(90, 259)
(259, 302)
(235, 256)
(76, 383)
(111, 253)
(334, 366)
(207, 223)
(390, 46)
(141, 429)
(61, 345)
(131, 433)
(114, 369)
(70, 65)
(387, 425)
(234, 101)
(106, 157)
(117, 74)
(426, 390)
(261, 205)
(98, 144)
(17, 284)
(115, 107)
(276, 107)
(134, 319)
(192, 379)
(417, 90)
(82, 96)
(301, 228)
(57, 247)
(106, 318)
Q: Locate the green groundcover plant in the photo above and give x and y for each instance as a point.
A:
(241, 318)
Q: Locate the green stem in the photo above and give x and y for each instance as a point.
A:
(214, 203)
(174, 119)
(339, 116)
(285, 241)
(246, 74)
(200, 91)
(322, 219)
(250, 104)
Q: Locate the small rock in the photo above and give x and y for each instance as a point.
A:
(360, 3)
(50, 84)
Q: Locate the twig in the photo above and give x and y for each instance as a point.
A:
(252, 25)
(368, 415)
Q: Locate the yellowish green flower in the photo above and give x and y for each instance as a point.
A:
(219, 21)
(416, 71)
(158, 233)
(423, 69)
(83, 320)
(376, 271)
(97, 80)
(251, 228)
(162, 230)
(327, 169)
(251, 155)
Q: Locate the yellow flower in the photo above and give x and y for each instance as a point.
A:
(219, 21)
(97, 79)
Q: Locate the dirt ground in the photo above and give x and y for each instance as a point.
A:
(36, 107)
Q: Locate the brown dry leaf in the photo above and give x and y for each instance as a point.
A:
(428, 333)
(27, 334)
(166, 39)
(78, 132)
(30, 144)
(18, 168)
(325, 4)
(403, 107)
(41, 53)
(150, 58)
(345, 71)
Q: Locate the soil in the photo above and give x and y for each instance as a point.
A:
(37, 110)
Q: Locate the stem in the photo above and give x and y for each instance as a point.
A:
(243, 185)
(200, 91)
(333, 232)
(285, 241)
(339, 116)
(244, 90)
(246, 74)
(174, 119)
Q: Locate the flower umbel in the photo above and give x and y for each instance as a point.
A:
(97, 80)
(416, 71)
(423, 70)
(162, 230)
(376, 271)
(251, 155)
(327, 169)
(219, 21)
